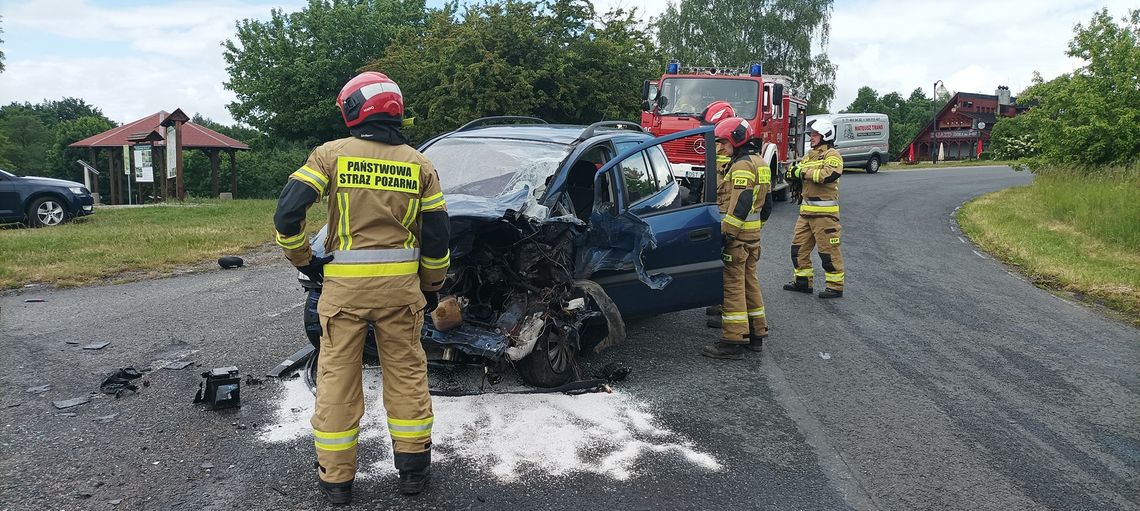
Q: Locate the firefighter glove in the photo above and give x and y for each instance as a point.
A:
(432, 298)
(793, 173)
(315, 270)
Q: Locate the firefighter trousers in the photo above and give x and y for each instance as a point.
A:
(821, 233)
(742, 309)
(340, 396)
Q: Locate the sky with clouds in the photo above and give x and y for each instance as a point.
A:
(133, 59)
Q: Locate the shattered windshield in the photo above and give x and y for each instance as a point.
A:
(692, 95)
(488, 167)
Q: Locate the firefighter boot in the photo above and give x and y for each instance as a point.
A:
(755, 343)
(830, 293)
(336, 493)
(415, 469)
(801, 285)
(725, 350)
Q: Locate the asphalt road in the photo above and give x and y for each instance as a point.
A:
(940, 381)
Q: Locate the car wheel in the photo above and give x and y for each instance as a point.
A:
(873, 164)
(554, 361)
(46, 212)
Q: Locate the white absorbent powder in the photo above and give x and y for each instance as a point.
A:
(511, 435)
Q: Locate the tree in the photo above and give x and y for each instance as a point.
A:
(866, 100)
(1, 51)
(907, 116)
(61, 159)
(28, 143)
(777, 33)
(286, 71)
(1089, 117)
(555, 60)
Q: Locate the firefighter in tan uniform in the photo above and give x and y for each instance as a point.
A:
(388, 238)
(747, 204)
(718, 111)
(818, 224)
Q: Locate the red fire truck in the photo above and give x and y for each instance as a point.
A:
(675, 101)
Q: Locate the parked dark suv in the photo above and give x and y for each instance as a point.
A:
(42, 201)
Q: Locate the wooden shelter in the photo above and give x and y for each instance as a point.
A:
(152, 129)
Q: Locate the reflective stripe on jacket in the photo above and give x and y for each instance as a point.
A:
(820, 170)
(385, 207)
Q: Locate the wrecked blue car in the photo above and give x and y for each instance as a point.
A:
(558, 232)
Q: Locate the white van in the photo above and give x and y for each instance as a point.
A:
(862, 139)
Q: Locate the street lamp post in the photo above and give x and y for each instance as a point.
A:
(934, 123)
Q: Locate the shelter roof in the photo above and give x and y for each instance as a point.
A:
(194, 136)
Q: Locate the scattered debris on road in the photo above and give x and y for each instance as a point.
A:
(68, 403)
(221, 388)
(175, 366)
(250, 380)
(97, 345)
(106, 419)
(228, 262)
(115, 502)
(71, 342)
(292, 363)
(206, 466)
(39, 390)
(120, 381)
(614, 372)
(825, 355)
(35, 300)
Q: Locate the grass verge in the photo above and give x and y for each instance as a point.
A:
(149, 241)
(1077, 231)
(945, 164)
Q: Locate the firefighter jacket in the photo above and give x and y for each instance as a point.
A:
(820, 170)
(723, 185)
(749, 199)
(388, 229)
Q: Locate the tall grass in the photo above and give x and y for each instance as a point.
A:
(1102, 203)
(1076, 230)
(152, 240)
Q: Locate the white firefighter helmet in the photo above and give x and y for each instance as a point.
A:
(825, 129)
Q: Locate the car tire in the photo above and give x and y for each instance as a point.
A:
(873, 164)
(47, 212)
(554, 361)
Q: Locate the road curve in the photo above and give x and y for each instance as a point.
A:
(940, 381)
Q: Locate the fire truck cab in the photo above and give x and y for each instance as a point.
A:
(675, 101)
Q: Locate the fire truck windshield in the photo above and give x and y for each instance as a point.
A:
(692, 95)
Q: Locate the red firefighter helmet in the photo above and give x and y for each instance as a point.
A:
(717, 111)
(735, 130)
(371, 96)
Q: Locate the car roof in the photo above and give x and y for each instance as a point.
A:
(565, 134)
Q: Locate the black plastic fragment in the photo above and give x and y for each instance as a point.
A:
(228, 262)
(120, 381)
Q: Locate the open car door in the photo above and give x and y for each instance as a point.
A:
(642, 222)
